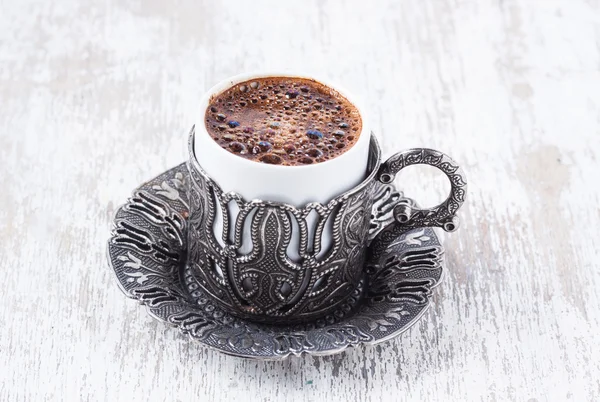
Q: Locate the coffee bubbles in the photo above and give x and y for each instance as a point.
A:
(283, 121)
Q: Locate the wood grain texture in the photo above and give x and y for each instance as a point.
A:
(97, 96)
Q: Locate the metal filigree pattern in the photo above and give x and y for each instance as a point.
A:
(147, 252)
(408, 217)
(382, 213)
(443, 215)
(265, 284)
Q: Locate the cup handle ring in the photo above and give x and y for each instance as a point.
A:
(443, 215)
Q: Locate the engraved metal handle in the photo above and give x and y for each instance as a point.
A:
(443, 215)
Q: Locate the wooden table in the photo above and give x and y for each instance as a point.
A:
(98, 96)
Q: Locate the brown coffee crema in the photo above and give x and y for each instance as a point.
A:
(283, 121)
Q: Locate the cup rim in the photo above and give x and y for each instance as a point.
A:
(227, 83)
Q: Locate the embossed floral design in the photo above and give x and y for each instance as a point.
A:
(172, 188)
(384, 322)
(416, 237)
(145, 258)
(292, 343)
(242, 340)
(143, 273)
(266, 280)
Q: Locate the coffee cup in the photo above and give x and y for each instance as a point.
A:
(285, 244)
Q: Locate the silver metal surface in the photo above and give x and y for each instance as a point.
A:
(265, 284)
(409, 216)
(147, 252)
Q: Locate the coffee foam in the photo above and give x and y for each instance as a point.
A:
(283, 120)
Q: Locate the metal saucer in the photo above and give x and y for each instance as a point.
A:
(147, 253)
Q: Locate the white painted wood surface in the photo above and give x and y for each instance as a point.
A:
(97, 96)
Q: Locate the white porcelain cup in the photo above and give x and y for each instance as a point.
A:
(294, 185)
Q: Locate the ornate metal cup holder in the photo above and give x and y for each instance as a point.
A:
(147, 251)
